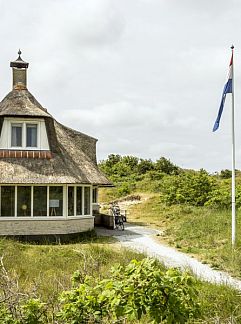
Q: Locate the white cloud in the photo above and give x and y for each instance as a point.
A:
(143, 76)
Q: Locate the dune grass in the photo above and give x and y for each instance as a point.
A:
(203, 232)
(218, 304)
(48, 269)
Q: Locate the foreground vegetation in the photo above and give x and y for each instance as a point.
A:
(96, 282)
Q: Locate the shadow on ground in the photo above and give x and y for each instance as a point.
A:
(131, 231)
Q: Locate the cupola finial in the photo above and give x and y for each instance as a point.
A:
(19, 72)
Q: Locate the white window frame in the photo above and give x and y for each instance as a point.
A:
(75, 201)
(24, 124)
(14, 124)
(65, 203)
(25, 137)
(96, 195)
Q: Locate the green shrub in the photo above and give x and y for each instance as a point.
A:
(132, 292)
(34, 312)
(188, 188)
(225, 174)
(5, 315)
(124, 189)
(220, 198)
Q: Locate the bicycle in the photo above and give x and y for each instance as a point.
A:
(118, 218)
(119, 223)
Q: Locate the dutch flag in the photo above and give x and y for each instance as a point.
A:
(228, 88)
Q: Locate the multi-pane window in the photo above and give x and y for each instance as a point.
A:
(44, 201)
(24, 135)
(16, 135)
(79, 201)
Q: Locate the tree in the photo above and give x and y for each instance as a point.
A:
(144, 166)
(166, 166)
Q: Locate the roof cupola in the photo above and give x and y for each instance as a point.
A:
(19, 73)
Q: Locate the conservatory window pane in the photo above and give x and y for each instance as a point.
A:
(95, 195)
(23, 201)
(16, 135)
(40, 201)
(70, 201)
(8, 201)
(56, 201)
(87, 200)
(79, 201)
(31, 133)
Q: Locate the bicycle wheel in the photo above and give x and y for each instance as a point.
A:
(122, 225)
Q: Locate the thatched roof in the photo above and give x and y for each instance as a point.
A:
(22, 103)
(74, 153)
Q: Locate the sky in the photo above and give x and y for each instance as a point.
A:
(144, 77)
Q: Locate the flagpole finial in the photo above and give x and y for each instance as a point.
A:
(232, 47)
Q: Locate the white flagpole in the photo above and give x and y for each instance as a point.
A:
(233, 162)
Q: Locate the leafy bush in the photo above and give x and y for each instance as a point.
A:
(132, 292)
(124, 189)
(6, 316)
(225, 174)
(34, 312)
(220, 198)
(188, 188)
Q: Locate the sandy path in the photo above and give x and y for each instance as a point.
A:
(140, 238)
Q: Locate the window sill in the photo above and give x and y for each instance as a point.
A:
(44, 218)
(80, 217)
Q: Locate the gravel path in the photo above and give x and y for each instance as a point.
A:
(140, 238)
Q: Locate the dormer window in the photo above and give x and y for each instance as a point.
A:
(24, 135)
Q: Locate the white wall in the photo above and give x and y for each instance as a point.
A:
(5, 140)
